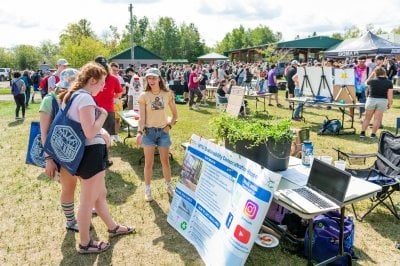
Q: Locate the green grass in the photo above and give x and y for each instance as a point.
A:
(5, 91)
(32, 225)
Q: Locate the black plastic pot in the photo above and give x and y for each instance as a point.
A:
(273, 156)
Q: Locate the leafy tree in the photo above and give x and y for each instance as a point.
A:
(337, 35)
(78, 55)
(26, 57)
(47, 51)
(6, 58)
(76, 32)
(352, 32)
(190, 44)
(163, 38)
(396, 30)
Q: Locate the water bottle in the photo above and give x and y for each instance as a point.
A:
(307, 153)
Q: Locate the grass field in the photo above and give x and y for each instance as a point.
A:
(32, 224)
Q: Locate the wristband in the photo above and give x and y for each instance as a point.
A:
(48, 158)
(169, 125)
(140, 132)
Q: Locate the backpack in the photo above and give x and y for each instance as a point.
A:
(330, 126)
(325, 240)
(15, 90)
(35, 79)
(44, 83)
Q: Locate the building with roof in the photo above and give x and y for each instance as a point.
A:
(142, 57)
(300, 48)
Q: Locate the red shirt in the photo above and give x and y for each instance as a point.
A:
(105, 98)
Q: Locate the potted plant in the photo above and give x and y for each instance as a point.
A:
(267, 142)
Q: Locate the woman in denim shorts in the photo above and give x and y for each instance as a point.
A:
(154, 127)
(380, 98)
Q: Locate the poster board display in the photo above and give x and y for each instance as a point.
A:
(235, 100)
(344, 77)
(220, 202)
(314, 79)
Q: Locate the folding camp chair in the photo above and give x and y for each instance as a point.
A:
(385, 172)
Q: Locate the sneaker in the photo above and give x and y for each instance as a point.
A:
(170, 188)
(373, 136)
(147, 195)
(197, 106)
(116, 138)
(72, 226)
(204, 104)
(362, 135)
(191, 108)
(18, 118)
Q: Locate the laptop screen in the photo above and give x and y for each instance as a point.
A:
(329, 180)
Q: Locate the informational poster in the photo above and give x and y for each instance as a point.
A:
(316, 81)
(136, 88)
(235, 100)
(220, 202)
(344, 77)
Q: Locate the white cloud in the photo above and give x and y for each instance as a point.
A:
(30, 22)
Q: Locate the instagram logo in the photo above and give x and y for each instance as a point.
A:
(250, 209)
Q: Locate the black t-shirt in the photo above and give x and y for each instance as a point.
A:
(379, 87)
(289, 75)
(220, 91)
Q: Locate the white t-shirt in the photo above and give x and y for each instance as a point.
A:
(83, 99)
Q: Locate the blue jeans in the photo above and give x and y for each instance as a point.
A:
(361, 99)
(156, 137)
(296, 112)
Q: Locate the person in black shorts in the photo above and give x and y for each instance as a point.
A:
(289, 78)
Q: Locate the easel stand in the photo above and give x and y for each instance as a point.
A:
(324, 83)
(306, 81)
(344, 88)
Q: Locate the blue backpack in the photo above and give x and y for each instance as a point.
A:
(325, 240)
(15, 90)
(330, 126)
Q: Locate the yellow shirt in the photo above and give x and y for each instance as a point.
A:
(156, 107)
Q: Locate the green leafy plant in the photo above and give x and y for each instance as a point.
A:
(254, 129)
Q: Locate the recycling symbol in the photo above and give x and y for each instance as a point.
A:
(183, 225)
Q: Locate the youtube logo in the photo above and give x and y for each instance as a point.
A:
(241, 234)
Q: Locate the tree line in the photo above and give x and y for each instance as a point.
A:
(79, 44)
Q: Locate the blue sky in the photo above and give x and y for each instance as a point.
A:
(27, 22)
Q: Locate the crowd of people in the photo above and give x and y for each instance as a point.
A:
(99, 90)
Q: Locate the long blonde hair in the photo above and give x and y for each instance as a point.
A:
(88, 71)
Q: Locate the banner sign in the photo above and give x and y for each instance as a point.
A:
(220, 202)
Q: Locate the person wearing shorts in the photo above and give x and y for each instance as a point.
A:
(154, 128)
(91, 168)
(272, 85)
(380, 98)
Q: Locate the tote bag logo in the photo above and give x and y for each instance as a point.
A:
(36, 152)
(65, 143)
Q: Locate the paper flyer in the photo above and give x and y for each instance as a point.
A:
(220, 202)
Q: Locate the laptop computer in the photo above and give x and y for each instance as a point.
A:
(325, 189)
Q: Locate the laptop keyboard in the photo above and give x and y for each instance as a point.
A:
(310, 196)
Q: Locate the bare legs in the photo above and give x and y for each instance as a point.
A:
(378, 115)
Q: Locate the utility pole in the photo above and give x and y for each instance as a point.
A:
(131, 39)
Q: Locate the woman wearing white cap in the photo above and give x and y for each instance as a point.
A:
(154, 127)
(48, 110)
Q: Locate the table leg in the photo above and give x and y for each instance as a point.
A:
(310, 237)
(129, 134)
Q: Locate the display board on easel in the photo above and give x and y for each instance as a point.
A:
(316, 81)
(235, 100)
(345, 78)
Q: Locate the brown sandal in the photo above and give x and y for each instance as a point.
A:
(92, 248)
(115, 232)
